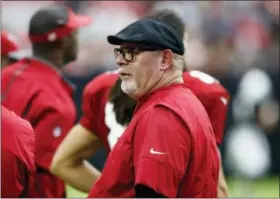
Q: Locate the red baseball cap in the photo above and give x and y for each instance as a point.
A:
(8, 43)
(55, 22)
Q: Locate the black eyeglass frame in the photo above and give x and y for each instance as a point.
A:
(129, 53)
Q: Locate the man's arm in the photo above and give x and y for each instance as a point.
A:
(50, 132)
(223, 191)
(69, 162)
(218, 120)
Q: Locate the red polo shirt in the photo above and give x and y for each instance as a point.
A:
(17, 156)
(168, 146)
(36, 91)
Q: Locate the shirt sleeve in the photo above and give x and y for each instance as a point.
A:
(161, 151)
(90, 108)
(50, 130)
(12, 175)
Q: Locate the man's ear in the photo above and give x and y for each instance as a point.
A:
(70, 39)
(166, 60)
(66, 41)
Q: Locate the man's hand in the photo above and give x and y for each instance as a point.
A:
(222, 184)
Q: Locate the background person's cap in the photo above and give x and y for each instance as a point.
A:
(150, 32)
(55, 22)
(8, 43)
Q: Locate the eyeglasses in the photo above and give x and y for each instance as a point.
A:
(129, 53)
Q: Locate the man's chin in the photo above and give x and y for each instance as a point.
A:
(128, 89)
(133, 92)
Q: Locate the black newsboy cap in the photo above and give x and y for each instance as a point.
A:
(150, 32)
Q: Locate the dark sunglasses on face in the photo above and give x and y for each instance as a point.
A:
(129, 53)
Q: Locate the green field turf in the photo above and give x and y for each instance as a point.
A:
(268, 187)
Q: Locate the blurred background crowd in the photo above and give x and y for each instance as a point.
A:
(235, 41)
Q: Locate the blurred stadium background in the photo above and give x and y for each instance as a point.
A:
(235, 41)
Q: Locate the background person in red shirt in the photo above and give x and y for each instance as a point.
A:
(107, 111)
(169, 143)
(35, 89)
(214, 98)
(8, 46)
(17, 156)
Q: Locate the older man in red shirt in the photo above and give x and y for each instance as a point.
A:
(168, 149)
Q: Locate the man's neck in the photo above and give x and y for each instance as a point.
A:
(168, 79)
(165, 80)
(53, 62)
(47, 62)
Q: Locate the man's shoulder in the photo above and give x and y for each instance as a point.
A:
(183, 103)
(177, 98)
(15, 130)
(17, 134)
(12, 71)
(16, 74)
(159, 111)
(101, 82)
(14, 122)
(204, 85)
(13, 66)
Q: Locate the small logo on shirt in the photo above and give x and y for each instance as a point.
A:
(57, 131)
(152, 151)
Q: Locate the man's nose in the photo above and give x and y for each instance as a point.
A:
(120, 61)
